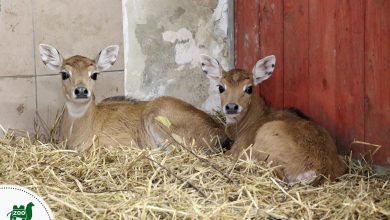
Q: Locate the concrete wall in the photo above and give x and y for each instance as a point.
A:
(74, 27)
(163, 40)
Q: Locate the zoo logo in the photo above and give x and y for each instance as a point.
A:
(15, 197)
(25, 214)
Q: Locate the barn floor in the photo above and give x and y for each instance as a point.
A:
(129, 183)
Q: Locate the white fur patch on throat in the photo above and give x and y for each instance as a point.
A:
(231, 119)
(77, 110)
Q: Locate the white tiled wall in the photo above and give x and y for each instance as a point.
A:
(73, 27)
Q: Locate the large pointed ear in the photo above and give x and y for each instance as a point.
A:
(263, 69)
(211, 67)
(107, 57)
(51, 57)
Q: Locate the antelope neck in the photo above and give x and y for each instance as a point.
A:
(80, 110)
(79, 115)
(256, 110)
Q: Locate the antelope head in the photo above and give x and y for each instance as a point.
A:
(236, 87)
(78, 74)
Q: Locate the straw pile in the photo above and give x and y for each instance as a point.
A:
(130, 183)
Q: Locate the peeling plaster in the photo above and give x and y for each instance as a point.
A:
(186, 50)
(220, 17)
(162, 46)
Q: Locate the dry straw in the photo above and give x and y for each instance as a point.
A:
(130, 183)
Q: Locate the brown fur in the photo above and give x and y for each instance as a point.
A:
(120, 123)
(297, 145)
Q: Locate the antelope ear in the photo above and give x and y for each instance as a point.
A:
(263, 69)
(51, 57)
(107, 57)
(211, 67)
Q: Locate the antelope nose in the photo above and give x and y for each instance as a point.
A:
(231, 108)
(81, 92)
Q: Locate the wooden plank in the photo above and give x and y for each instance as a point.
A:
(247, 48)
(322, 63)
(377, 78)
(271, 42)
(349, 121)
(296, 56)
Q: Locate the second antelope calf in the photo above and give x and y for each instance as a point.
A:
(120, 123)
(300, 148)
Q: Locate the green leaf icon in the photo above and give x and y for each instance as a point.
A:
(163, 120)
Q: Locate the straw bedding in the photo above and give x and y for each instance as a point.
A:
(131, 183)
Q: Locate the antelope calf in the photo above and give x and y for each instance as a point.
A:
(301, 148)
(120, 123)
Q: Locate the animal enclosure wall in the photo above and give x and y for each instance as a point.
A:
(333, 63)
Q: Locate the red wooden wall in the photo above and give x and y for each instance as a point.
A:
(332, 62)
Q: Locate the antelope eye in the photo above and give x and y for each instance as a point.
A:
(65, 75)
(249, 90)
(94, 76)
(221, 89)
